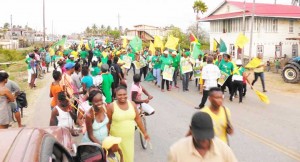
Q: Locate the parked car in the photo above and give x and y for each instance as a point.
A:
(291, 71)
(43, 145)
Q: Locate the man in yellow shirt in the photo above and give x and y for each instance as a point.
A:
(259, 72)
(219, 114)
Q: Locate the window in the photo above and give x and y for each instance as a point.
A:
(295, 50)
(260, 49)
(232, 50)
(291, 26)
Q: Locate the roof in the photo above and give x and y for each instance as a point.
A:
(261, 10)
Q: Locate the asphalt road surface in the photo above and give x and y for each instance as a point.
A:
(263, 133)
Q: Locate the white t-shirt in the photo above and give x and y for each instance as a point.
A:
(210, 73)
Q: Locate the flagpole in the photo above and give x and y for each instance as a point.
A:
(251, 32)
(44, 28)
(244, 29)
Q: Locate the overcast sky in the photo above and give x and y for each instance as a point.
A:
(70, 16)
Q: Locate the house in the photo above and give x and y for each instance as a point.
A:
(276, 28)
(147, 32)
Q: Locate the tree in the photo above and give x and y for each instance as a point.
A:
(203, 35)
(102, 30)
(6, 25)
(94, 29)
(87, 31)
(114, 34)
(108, 29)
(199, 6)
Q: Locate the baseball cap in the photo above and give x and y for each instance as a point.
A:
(69, 65)
(71, 56)
(109, 141)
(202, 126)
(166, 52)
(174, 53)
(187, 53)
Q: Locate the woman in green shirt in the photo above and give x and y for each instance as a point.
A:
(107, 83)
(166, 60)
(156, 68)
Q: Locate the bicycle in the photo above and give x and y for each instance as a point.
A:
(144, 142)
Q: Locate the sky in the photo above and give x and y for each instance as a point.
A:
(73, 16)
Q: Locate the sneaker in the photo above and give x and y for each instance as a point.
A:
(162, 90)
(169, 89)
(264, 90)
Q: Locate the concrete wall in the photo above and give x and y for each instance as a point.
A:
(227, 9)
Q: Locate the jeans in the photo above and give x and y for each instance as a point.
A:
(175, 77)
(133, 67)
(227, 83)
(237, 85)
(156, 74)
(262, 78)
(185, 81)
(144, 71)
(163, 84)
(204, 98)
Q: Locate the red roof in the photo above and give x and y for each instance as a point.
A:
(261, 10)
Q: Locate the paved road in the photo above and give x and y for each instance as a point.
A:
(262, 132)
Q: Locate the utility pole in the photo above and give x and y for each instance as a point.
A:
(52, 32)
(251, 32)
(275, 2)
(11, 28)
(44, 28)
(119, 22)
(244, 28)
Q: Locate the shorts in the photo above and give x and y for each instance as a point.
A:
(14, 107)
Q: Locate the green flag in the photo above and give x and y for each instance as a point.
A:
(136, 44)
(60, 42)
(196, 50)
(223, 47)
(92, 42)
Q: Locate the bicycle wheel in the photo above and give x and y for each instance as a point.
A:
(142, 138)
(13, 116)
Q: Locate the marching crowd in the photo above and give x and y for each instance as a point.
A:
(89, 91)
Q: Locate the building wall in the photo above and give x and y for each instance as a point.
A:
(227, 8)
(267, 40)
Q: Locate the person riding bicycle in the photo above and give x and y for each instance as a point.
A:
(136, 95)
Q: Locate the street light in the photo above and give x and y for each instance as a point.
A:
(44, 28)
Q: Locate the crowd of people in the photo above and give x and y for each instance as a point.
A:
(89, 91)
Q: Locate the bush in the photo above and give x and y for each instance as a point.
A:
(12, 55)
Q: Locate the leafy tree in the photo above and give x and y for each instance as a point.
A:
(114, 34)
(108, 29)
(203, 35)
(94, 29)
(6, 25)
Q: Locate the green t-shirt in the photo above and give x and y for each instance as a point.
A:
(104, 60)
(28, 62)
(157, 63)
(97, 53)
(83, 54)
(218, 63)
(176, 61)
(106, 86)
(96, 71)
(132, 55)
(226, 67)
(68, 60)
(165, 61)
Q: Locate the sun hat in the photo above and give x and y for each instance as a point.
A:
(109, 141)
(202, 126)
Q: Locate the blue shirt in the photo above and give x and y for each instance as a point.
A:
(88, 81)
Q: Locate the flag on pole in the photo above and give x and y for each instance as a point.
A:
(223, 47)
(193, 38)
(136, 44)
(124, 43)
(152, 48)
(216, 45)
(264, 98)
(158, 42)
(172, 42)
(87, 46)
(196, 50)
(92, 43)
(254, 63)
(241, 41)
(80, 45)
(60, 42)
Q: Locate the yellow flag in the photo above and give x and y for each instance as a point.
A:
(241, 41)
(254, 63)
(215, 47)
(158, 42)
(87, 47)
(264, 98)
(152, 48)
(80, 45)
(172, 42)
(124, 43)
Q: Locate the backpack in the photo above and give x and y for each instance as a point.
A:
(22, 100)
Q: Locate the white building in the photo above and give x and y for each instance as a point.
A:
(276, 29)
(147, 32)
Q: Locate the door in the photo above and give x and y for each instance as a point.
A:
(278, 51)
(295, 50)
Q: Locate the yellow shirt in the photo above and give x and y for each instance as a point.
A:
(185, 151)
(75, 54)
(51, 51)
(219, 121)
(260, 69)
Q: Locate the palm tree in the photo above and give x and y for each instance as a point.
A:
(87, 31)
(199, 6)
(94, 29)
